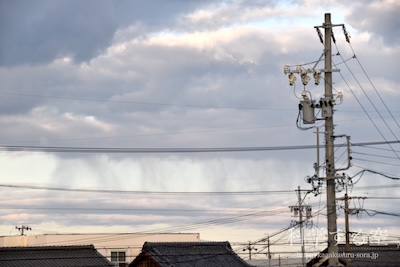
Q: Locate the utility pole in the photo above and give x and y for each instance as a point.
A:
(298, 211)
(347, 227)
(329, 146)
(250, 248)
(269, 253)
(347, 224)
(301, 228)
(22, 229)
(307, 113)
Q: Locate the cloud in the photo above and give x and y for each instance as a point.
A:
(37, 33)
(42, 31)
(179, 74)
(378, 18)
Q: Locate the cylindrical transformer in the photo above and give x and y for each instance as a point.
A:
(308, 111)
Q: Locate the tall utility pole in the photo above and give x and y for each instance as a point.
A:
(269, 254)
(307, 110)
(347, 211)
(329, 147)
(347, 227)
(298, 211)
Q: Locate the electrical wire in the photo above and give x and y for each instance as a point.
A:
(133, 102)
(64, 149)
(359, 84)
(376, 172)
(372, 155)
(109, 191)
(375, 212)
(373, 86)
(379, 162)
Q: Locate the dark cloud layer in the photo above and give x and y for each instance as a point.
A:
(40, 31)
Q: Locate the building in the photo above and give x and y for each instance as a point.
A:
(188, 254)
(363, 255)
(118, 248)
(55, 256)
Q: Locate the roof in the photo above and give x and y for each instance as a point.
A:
(364, 255)
(189, 254)
(52, 256)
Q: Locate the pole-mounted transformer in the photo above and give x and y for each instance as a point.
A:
(307, 107)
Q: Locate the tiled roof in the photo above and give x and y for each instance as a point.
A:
(190, 254)
(52, 256)
(366, 255)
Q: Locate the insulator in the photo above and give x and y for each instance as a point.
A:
(292, 78)
(286, 69)
(317, 77)
(321, 37)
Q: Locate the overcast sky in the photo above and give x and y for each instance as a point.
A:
(189, 74)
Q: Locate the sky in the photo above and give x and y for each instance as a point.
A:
(165, 76)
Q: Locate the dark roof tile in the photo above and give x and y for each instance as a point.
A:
(52, 256)
(190, 254)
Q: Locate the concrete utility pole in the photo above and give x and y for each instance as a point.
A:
(249, 248)
(269, 254)
(22, 229)
(301, 228)
(329, 149)
(347, 211)
(298, 211)
(307, 113)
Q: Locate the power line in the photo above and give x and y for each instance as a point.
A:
(379, 162)
(373, 86)
(373, 155)
(376, 172)
(359, 84)
(64, 149)
(34, 187)
(136, 102)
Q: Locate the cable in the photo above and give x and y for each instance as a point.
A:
(372, 155)
(373, 86)
(375, 172)
(379, 162)
(359, 84)
(63, 149)
(35, 187)
(375, 212)
(131, 102)
(160, 134)
(377, 148)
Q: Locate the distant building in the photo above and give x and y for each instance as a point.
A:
(193, 254)
(54, 256)
(120, 249)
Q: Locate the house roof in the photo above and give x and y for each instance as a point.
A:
(364, 255)
(52, 256)
(189, 254)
